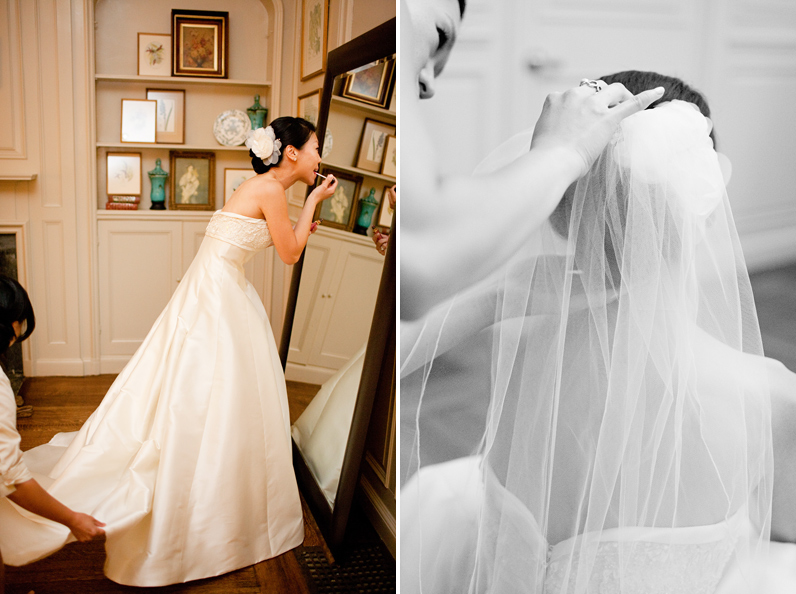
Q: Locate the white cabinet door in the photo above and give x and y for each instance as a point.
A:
(348, 312)
(334, 310)
(139, 267)
(319, 263)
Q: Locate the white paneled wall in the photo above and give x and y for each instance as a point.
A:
(740, 53)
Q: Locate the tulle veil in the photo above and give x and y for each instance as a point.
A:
(593, 417)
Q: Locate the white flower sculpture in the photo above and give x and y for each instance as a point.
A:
(264, 143)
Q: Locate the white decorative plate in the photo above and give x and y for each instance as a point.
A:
(231, 127)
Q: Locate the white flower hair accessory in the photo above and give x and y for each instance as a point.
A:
(264, 144)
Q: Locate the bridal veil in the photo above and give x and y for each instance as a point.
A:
(618, 436)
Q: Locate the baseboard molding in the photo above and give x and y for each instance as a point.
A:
(378, 514)
(113, 364)
(307, 373)
(92, 367)
(48, 367)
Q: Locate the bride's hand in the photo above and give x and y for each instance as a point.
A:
(582, 121)
(326, 189)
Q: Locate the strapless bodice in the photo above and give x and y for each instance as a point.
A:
(242, 231)
(457, 510)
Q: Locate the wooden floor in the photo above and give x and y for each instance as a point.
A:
(63, 404)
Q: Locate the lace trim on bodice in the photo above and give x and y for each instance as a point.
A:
(244, 232)
(647, 567)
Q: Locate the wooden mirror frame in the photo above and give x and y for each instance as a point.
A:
(379, 360)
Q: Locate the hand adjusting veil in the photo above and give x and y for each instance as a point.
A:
(626, 444)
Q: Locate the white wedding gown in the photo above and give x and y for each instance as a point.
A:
(321, 432)
(188, 457)
(443, 505)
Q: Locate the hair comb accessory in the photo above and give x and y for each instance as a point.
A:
(264, 144)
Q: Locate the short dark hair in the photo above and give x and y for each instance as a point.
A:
(637, 81)
(289, 131)
(14, 307)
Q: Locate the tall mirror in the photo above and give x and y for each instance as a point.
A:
(339, 329)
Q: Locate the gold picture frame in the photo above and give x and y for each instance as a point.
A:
(192, 180)
(314, 25)
(372, 83)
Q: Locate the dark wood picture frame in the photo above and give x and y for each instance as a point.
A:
(214, 23)
(364, 153)
(378, 377)
(176, 174)
(322, 211)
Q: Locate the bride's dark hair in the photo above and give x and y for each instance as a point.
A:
(289, 131)
(636, 81)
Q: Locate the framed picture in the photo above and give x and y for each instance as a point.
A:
(383, 219)
(371, 83)
(314, 17)
(139, 120)
(200, 43)
(154, 54)
(170, 115)
(123, 174)
(389, 161)
(309, 105)
(233, 178)
(339, 211)
(192, 180)
(372, 145)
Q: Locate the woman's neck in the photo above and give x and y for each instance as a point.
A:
(283, 176)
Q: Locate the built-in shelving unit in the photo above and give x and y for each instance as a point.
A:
(345, 126)
(254, 66)
(182, 80)
(362, 172)
(344, 102)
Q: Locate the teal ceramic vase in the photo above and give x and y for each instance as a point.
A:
(257, 113)
(157, 178)
(367, 206)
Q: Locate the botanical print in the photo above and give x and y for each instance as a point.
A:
(316, 22)
(154, 53)
(198, 46)
(166, 115)
(376, 145)
(124, 174)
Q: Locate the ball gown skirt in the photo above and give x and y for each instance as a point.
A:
(188, 457)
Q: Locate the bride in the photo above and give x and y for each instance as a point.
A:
(620, 434)
(188, 457)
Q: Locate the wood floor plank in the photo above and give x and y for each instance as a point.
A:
(282, 575)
